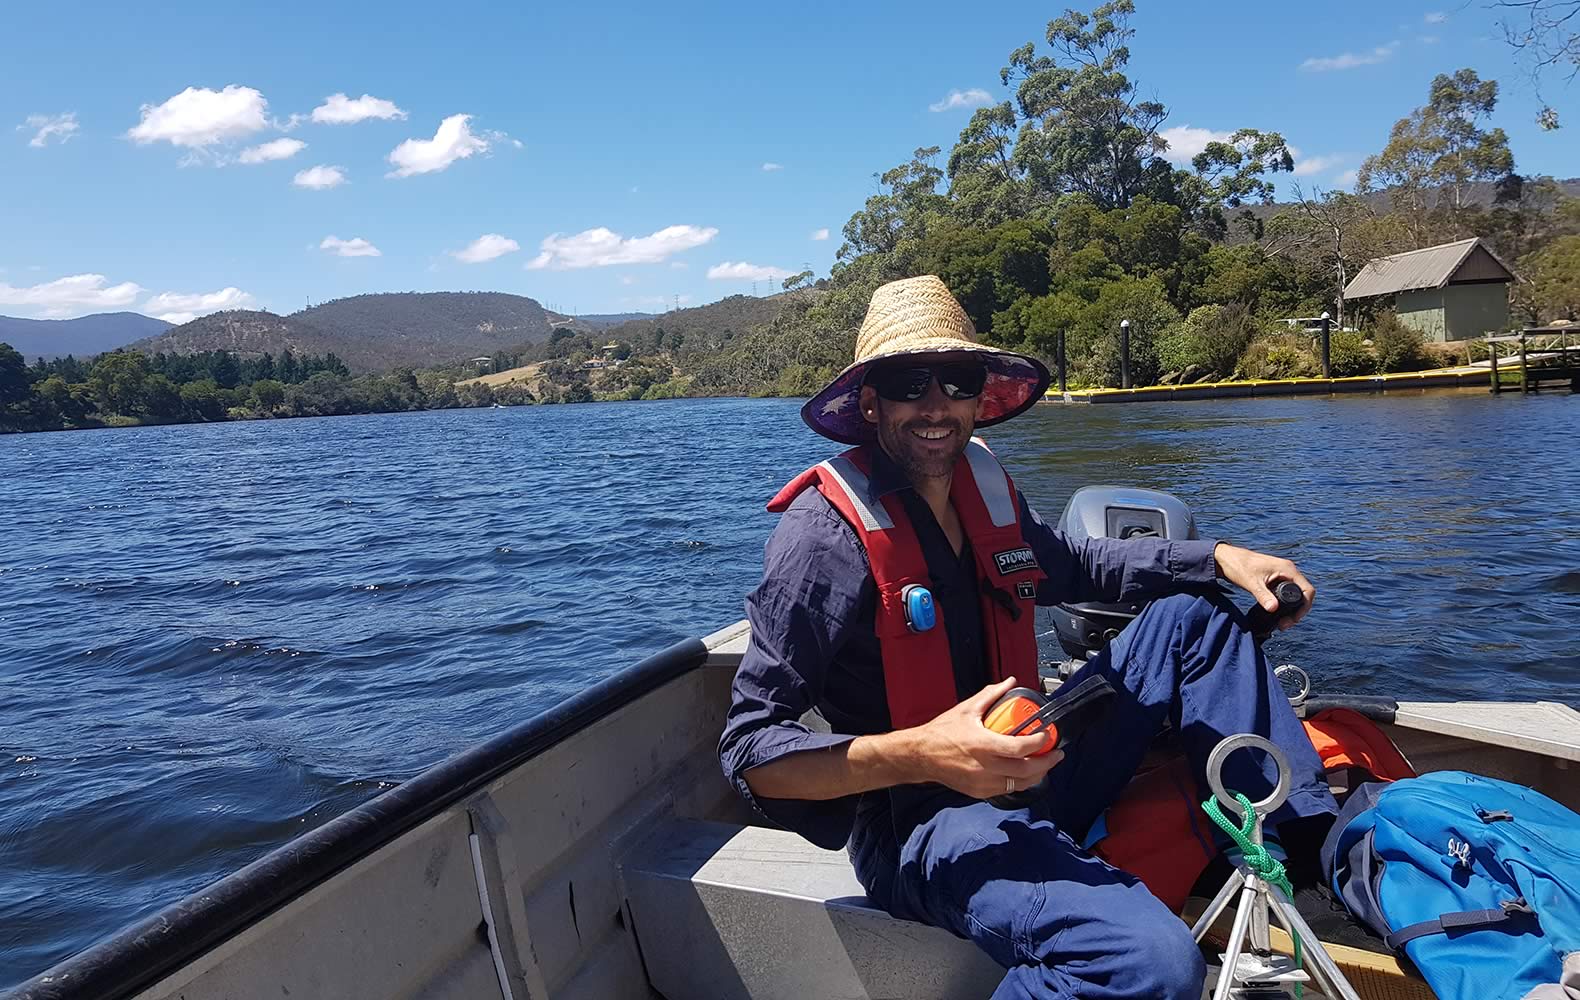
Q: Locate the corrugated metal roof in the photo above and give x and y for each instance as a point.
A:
(1430, 267)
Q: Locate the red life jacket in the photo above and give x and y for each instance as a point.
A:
(918, 673)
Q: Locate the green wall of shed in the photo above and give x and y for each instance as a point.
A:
(1456, 312)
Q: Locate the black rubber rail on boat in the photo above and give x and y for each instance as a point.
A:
(142, 954)
(1374, 707)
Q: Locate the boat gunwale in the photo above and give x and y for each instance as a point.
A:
(141, 954)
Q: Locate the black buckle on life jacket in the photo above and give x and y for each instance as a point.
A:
(1005, 600)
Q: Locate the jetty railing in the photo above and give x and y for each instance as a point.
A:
(1549, 365)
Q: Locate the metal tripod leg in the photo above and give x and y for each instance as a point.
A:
(1328, 972)
(1231, 956)
(1219, 902)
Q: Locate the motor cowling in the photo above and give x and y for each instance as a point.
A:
(1113, 512)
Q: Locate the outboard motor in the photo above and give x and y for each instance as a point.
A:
(1113, 512)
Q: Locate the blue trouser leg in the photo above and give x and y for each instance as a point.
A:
(1188, 661)
(1064, 924)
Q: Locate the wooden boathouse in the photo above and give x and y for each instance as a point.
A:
(1455, 291)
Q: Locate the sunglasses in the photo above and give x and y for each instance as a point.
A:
(907, 385)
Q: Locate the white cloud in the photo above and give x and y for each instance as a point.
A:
(1186, 141)
(453, 141)
(279, 149)
(199, 117)
(746, 272)
(75, 294)
(769, 168)
(678, 265)
(602, 247)
(60, 127)
(356, 247)
(1347, 178)
(1436, 17)
(973, 98)
(338, 109)
(1350, 60)
(1308, 166)
(626, 279)
(319, 178)
(485, 248)
(1429, 39)
(178, 308)
(820, 234)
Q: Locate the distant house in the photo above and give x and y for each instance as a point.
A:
(482, 362)
(1451, 292)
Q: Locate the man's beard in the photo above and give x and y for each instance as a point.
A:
(917, 460)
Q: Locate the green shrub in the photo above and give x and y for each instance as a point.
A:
(1212, 336)
(1400, 348)
(1348, 356)
(1278, 355)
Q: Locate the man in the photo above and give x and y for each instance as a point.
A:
(903, 778)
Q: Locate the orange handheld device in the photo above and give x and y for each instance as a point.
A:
(1015, 714)
(1063, 717)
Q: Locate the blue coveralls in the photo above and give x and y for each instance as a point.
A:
(1064, 924)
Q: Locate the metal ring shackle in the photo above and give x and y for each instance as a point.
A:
(1243, 741)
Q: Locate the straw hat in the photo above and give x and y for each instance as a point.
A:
(919, 316)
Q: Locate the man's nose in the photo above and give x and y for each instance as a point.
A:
(934, 401)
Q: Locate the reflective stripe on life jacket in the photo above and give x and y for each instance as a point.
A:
(918, 673)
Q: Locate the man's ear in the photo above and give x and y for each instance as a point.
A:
(869, 404)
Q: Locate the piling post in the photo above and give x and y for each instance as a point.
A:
(1059, 359)
(1326, 368)
(1124, 353)
(1525, 376)
(1492, 361)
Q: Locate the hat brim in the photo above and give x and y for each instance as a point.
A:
(1014, 383)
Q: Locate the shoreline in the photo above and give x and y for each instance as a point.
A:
(1461, 376)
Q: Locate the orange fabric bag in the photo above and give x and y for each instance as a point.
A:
(1157, 831)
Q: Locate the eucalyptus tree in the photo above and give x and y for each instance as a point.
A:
(1436, 152)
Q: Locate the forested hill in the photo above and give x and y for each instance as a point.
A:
(595, 321)
(249, 334)
(371, 332)
(83, 337)
(718, 321)
(423, 329)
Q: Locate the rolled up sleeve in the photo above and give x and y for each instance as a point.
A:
(1112, 570)
(800, 616)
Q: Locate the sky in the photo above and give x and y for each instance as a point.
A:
(179, 158)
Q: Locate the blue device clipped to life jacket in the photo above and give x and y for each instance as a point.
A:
(920, 612)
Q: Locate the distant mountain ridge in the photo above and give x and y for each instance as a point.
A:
(736, 314)
(250, 333)
(371, 332)
(83, 337)
(596, 321)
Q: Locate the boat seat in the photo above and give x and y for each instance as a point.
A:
(727, 911)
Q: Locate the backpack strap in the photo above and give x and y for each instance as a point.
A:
(1464, 920)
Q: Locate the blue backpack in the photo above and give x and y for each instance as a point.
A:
(1476, 880)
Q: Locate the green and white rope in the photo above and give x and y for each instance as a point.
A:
(1257, 858)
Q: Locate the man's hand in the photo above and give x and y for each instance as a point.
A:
(1257, 574)
(957, 750)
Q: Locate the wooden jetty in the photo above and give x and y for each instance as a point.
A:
(1544, 365)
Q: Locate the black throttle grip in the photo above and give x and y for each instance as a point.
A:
(1262, 622)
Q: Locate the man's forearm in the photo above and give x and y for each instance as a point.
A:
(863, 764)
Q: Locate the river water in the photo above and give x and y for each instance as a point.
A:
(214, 637)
